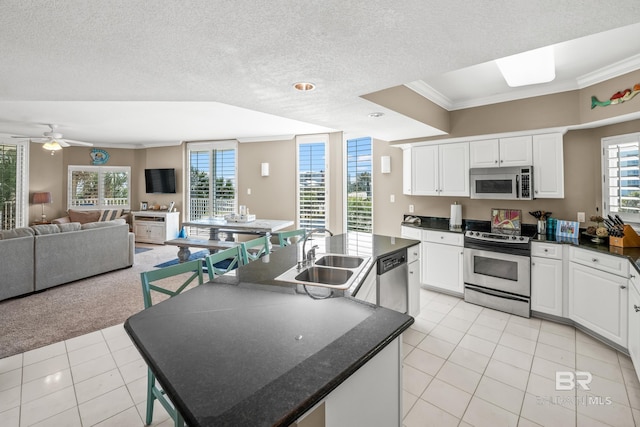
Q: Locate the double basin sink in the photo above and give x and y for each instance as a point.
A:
(329, 270)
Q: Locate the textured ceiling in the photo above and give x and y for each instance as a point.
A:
(135, 72)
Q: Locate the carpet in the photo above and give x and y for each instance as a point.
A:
(76, 308)
(141, 250)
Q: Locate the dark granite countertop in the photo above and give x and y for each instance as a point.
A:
(232, 352)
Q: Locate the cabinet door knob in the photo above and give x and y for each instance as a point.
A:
(633, 276)
(415, 254)
(501, 161)
(546, 250)
(411, 272)
(594, 259)
(536, 191)
(496, 161)
(442, 237)
(623, 287)
(533, 263)
(636, 308)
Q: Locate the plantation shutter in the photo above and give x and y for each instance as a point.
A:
(99, 187)
(621, 169)
(359, 191)
(312, 183)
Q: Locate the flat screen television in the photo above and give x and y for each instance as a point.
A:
(160, 180)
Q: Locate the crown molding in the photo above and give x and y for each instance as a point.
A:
(423, 89)
(611, 71)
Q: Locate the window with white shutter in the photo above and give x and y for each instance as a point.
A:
(212, 179)
(359, 192)
(312, 181)
(621, 170)
(99, 187)
(14, 193)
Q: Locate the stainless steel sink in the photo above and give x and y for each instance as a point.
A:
(324, 276)
(340, 261)
(330, 270)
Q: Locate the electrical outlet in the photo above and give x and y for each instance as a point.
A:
(581, 217)
(249, 191)
(392, 198)
(411, 208)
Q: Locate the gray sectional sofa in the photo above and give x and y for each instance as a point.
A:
(42, 256)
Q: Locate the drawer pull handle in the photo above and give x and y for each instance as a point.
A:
(623, 287)
(442, 237)
(633, 276)
(411, 272)
(546, 250)
(415, 253)
(636, 308)
(594, 259)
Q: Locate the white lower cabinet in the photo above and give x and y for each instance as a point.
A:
(413, 291)
(442, 262)
(634, 322)
(546, 285)
(370, 397)
(598, 301)
(546, 278)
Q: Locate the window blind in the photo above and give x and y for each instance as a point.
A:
(359, 191)
(312, 195)
(99, 187)
(621, 193)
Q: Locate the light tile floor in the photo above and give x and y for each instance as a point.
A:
(464, 365)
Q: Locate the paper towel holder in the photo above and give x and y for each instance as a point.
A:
(455, 221)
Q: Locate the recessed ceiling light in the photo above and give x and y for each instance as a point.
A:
(376, 114)
(304, 86)
(528, 68)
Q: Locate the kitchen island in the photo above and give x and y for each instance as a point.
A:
(246, 349)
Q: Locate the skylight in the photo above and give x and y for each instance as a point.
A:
(528, 68)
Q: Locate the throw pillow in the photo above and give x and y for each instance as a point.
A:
(84, 217)
(110, 214)
(45, 229)
(69, 226)
(15, 233)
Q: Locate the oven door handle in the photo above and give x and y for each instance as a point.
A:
(517, 186)
(495, 294)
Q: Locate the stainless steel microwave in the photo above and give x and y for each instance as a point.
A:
(513, 183)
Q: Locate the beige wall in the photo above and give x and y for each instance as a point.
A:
(49, 173)
(583, 188)
(274, 197)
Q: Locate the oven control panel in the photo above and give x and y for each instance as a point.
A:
(494, 237)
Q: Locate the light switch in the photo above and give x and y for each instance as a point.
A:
(581, 217)
(249, 191)
(392, 198)
(411, 208)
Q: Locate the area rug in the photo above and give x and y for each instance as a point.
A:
(140, 250)
(195, 255)
(76, 308)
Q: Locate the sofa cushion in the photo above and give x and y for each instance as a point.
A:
(15, 233)
(91, 225)
(41, 229)
(110, 214)
(84, 217)
(69, 226)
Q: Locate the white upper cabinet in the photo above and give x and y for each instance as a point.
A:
(484, 154)
(502, 152)
(437, 170)
(548, 166)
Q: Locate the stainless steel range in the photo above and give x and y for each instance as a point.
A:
(497, 270)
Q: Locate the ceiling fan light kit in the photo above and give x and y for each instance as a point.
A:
(54, 141)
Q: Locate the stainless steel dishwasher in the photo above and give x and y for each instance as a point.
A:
(392, 281)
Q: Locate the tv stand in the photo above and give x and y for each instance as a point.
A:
(155, 226)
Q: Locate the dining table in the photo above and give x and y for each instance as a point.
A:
(257, 226)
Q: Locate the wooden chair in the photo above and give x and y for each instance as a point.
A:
(285, 236)
(151, 281)
(215, 262)
(262, 243)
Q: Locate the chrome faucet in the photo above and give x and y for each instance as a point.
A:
(309, 257)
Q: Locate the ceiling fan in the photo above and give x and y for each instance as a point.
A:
(53, 140)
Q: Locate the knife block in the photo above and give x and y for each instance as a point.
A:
(630, 239)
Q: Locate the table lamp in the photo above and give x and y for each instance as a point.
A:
(42, 198)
